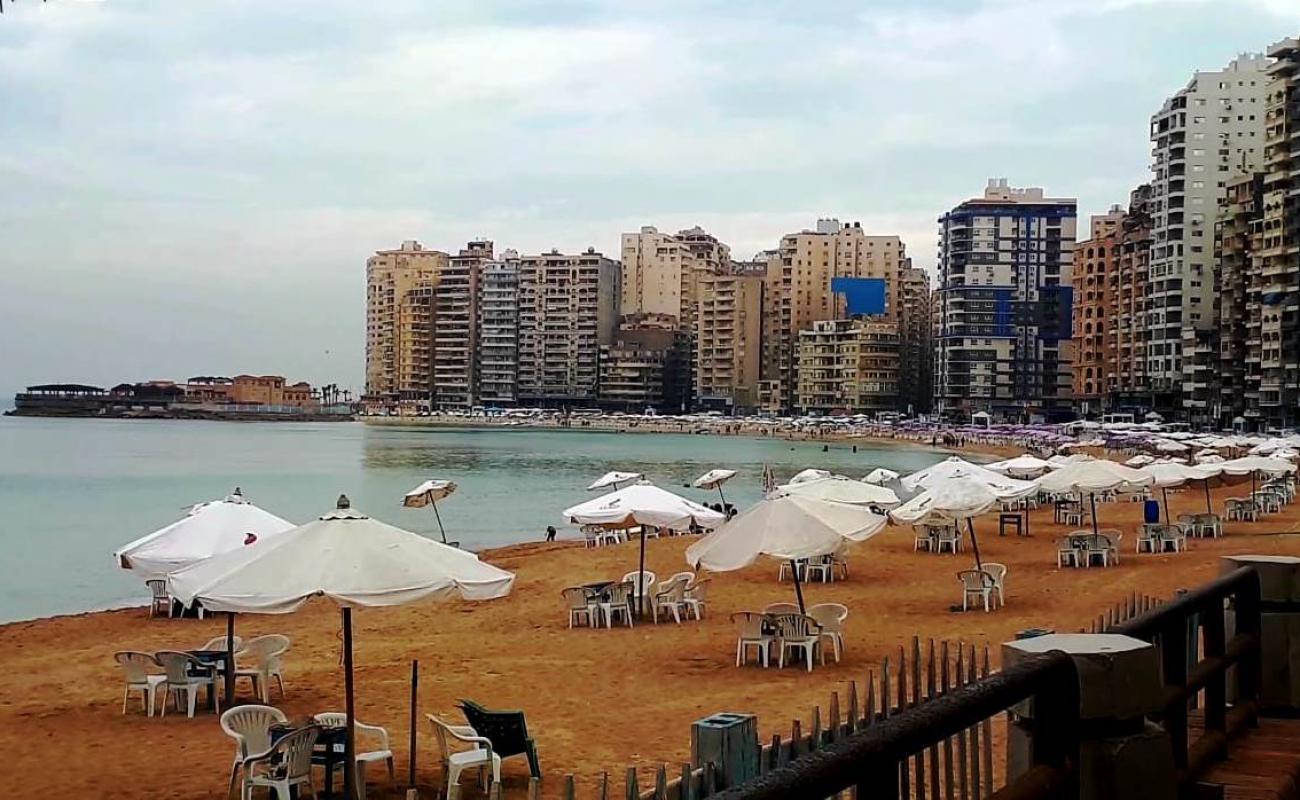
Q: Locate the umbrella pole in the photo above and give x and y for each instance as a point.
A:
(415, 685)
(974, 543)
(230, 659)
(349, 738)
(438, 517)
(640, 579)
(724, 500)
(1208, 508)
(1092, 502)
(1164, 491)
(798, 590)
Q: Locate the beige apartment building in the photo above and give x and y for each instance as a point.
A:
(568, 308)
(800, 290)
(456, 328)
(848, 366)
(644, 367)
(400, 287)
(661, 271)
(728, 339)
(916, 340)
(498, 331)
(1127, 282)
(1095, 260)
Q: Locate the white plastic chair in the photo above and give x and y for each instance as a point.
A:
(159, 600)
(384, 752)
(780, 608)
(136, 668)
(921, 539)
(696, 596)
(456, 762)
(582, 605)
(998, 572)
(250, 727)
(617, 602)
(286, 764)
(1067, 553)
(267, 653)
(831, 616)
(647, 584)
(219, 643)
(177, 665)
(798, 632)
(947, 537)
(975, 583)
(823, 566)
(670, 597)
(751, 634)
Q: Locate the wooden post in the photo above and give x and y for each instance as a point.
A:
(349, 737)
(836, 729)
(729, 741)
(230, 661)
(631, 791)
(415, 685)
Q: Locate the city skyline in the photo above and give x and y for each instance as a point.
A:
(191, 194)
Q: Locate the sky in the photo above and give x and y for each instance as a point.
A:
(191, 188)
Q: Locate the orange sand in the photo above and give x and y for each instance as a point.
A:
(596, 700)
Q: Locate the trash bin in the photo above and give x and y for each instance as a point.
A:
(1151, 511)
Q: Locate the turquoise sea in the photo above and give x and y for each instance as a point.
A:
(73, 490)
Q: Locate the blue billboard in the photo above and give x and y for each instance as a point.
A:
(863, 295)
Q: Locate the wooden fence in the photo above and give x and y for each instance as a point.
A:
(1123, 611)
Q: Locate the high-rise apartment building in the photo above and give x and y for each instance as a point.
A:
(645, 366)
(1093, 278)
(1127, 287)
(848, 366)
(1003, 305)
(498, 331)
(1235, 238)
(455, 328)
(400, 285)
(1201, 136)
(915, 340)
(729, 339)
(568, 308)
(800, 293)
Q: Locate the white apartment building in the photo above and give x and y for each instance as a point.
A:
(455, 328)
(498, 331)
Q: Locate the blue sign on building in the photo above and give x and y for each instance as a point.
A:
(863, 295)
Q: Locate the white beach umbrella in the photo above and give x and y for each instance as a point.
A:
(428, 494)
(1023, 466)
(1256, 465)
(1139, 461)
(960, 495)
(1098, 475)
(713, 479)
(613, 479)
(643, 504)
(1007, 488)
(840, 489)
(1076, 458)
(209, 529)
(786, 526)
(1210, 458)
(1167, 446)
(880, 475)
(1168, 476)
(810, 475)
(356, 561)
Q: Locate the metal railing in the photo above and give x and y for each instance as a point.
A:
(1190, 633)
(870, 762)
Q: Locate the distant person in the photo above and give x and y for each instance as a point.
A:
(550, 533)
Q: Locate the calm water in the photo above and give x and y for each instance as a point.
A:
(73, 490)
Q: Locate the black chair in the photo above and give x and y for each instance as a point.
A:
(506, 730)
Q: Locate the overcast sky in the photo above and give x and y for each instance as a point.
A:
(193, 187)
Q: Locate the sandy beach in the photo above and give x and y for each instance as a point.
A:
(596, 700)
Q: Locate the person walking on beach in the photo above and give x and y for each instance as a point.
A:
(550, 533)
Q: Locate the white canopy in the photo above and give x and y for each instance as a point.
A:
(1139, 461)
(714, 478)
(1249, 464)
(614, 479)
(810, 475)
(1211, 458)
(840, 489)
(1005, 488)
(427, 493)
(959, 496)
(209, 529)
(642, 504)
(784, 526)
(345, 556)
(1167, 446)
(1023, 466)
(880, 475)
(1077, 458)
(1098, 475)
(1170, 475)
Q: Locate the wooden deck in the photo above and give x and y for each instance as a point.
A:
(1264, 764)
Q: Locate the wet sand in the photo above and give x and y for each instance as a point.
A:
(596, 701)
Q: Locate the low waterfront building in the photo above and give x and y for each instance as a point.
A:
(848, 366)
(645, 366)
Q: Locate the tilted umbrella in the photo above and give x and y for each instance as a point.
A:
(642, 504)
(209, 529)
(428, 494)
(786, 526)
(961, 494)
(1090, 477)
(357, 562)
(840, 489)
(713, 479)
(613, 479)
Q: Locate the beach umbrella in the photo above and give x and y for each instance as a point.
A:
(643, 504)
(840, 489)
(1139, 461)
(428, 494)
(1167, 476)
(613, 479)
(1167, 446)
(880, 475)
(810, 475)
(209, 529)
(350, 558)
(957, 467)
(1090, 477)
(1025, 466)
(961, 493)
(788, 527)
(1077, 458)
(713, 479)
(1255, 465)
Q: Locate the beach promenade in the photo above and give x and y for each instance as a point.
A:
(596, 700)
